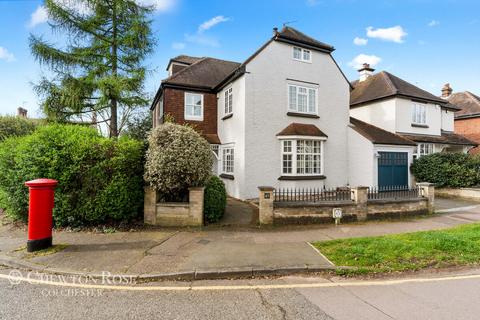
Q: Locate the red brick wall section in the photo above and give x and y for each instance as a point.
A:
(469, 128)
(174, 103)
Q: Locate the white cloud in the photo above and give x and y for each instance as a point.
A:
(211, 23)
(201, 40)
(359, 60)
(6, 55)
(433, 23)
(178, 45)
(360, 41)
(395, 34)
(39, 16)
(158, 5)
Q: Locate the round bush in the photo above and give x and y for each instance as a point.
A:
(448, 169)
(15, 126)
(177, 158)
(99, 179)
(215, 199)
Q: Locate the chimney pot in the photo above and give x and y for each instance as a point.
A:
(446, 90)
(365, 71)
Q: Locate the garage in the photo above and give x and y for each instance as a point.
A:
(393, 169)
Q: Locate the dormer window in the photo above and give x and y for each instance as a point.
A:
(419, 113)
(301, 54)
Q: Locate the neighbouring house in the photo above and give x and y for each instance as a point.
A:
(402, 113)
(467, 120)
(279, 118)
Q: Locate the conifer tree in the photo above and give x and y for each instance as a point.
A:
(98, 69)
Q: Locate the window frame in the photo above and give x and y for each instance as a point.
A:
(308, 88)
(302, 54)
(228, 101)
(223, 161)
(418, 154)
(419, 112)
(293, 140)
(202, 106)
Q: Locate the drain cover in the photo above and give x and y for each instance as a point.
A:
(203, 241)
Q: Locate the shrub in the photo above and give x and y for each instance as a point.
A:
(139, 126)
(215, 199)
(448, 169)
(99, 179)
(177, 158)
(11, 126)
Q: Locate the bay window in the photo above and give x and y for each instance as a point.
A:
(302, 99)
(302, 157)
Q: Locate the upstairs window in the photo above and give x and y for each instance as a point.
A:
(302, 99)
(301, 54)
(193, 106)
(419, 113)
(228, 101)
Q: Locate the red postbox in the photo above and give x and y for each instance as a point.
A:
(42, 192)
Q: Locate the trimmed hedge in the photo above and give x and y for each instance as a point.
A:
(177, 158)
(448, 169)
(215, 199)
(100, 179)
(11, 126)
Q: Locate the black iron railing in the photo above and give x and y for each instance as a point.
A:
(312, 194)
(393, 192)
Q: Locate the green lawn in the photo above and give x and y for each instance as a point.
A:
(409, 251)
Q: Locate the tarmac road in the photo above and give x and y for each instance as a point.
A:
(426, 296)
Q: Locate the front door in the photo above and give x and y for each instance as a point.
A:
(393, 170)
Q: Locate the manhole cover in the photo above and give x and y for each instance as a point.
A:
(203, 241)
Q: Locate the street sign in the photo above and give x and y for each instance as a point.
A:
(337, 214)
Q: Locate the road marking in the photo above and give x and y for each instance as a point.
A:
(17, 279)
(457, 209)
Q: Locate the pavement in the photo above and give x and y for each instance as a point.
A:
(445, 295)
(212, 252)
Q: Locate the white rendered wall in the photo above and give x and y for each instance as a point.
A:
(381, 114)
(404, 118)
(360, 160)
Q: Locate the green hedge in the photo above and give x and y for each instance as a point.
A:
(448, 169)
(100, 179)
(11, 126)
(215, 199)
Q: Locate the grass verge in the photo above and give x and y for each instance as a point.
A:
(403, 252)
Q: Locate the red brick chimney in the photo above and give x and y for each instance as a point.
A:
(22, 112)
(446, 90)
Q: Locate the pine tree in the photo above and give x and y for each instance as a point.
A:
(98, 72)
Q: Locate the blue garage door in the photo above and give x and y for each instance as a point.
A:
(393, 169)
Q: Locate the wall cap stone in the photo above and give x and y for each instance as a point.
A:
(196, 188)
(266, 188)
(425, 184)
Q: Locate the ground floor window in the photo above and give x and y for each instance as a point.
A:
(228, 157)
(302, 157)
(423, 149)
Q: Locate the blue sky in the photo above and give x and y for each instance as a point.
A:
(425, 42)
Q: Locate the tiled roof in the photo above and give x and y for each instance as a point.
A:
(384, 84)
(301, 129)
(377, 135)
(446, 138)
(291, 34)
(186, 59)
(467, 101)
(204, 73)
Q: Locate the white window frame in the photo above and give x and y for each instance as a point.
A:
(193, 117)
(308, 97)
(225, 167)
(302, 54)
(228, 102)
(419, 113)
(293, 141)
(423, 149)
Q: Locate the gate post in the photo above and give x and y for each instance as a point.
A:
(265, 205)
(427, 190)
(360, 196)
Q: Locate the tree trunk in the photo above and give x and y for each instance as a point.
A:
(113, 100)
